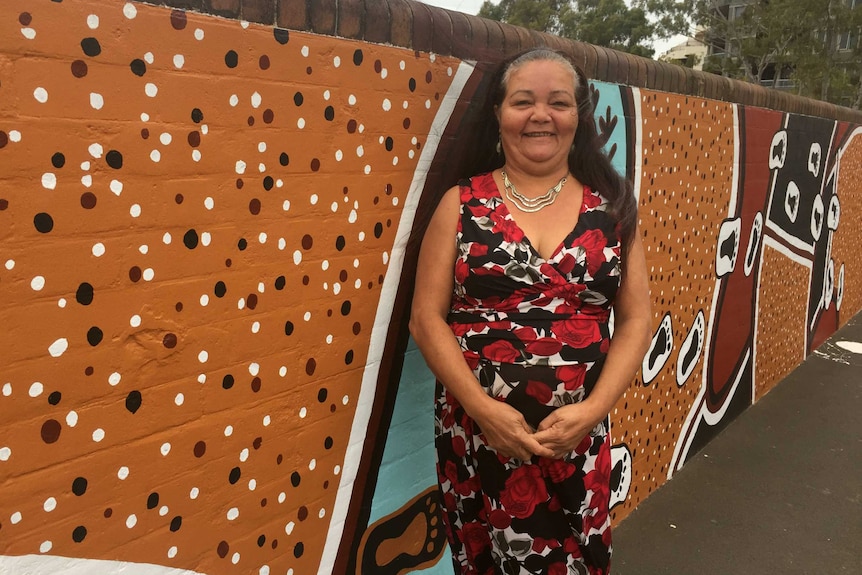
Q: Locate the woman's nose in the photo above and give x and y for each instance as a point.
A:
(540, 113)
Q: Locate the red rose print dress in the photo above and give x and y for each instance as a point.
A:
(535, 332)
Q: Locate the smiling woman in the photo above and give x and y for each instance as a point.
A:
(518, 334)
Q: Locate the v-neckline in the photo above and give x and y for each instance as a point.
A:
(507, 214)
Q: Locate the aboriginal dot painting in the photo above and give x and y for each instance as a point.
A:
(204, 365)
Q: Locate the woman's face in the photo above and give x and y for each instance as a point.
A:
(538, 116)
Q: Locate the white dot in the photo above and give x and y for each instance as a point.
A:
(172, 552)
(297, 257)
(383, 73)
(232, 513)
(131, 521)
(95, 150)
(352, 217)
(234, 558)
(145, 117)
(155, 155)
(252, 484)
(10, 264)
(241, 303)
(87, 180)
(344, 400)
(37, 283)
(114, 378)
(228, 431)
(282, 243)
(234, 100)
(163, 510)
(135, 321)
(7, 389)
(304, 51)
(179, 60)
(339, 155)
(148, 274)
(165, 138)
(15, 518)
(351, 100)
(300, 123)
(15, 136)
(282, 497)
(61, 302)
(41, 95)
(96, 101)
(123, 473)
(49, 181)
(166, 239)
(395, 163)
(206, 239)
(36, 389)
(312, 464)
(179, 399)
(256, 100)
(289, 527)
(45, 546)
(328, 339)
(165, 448)
(336, 470)
(261, 237)
(5, 453)
(387, 105)
(148, 57)
(307, 316)
(144, 249)
(117, 185)
(28, 33)
(199, 34)
(402, 65)
(193, 494)
(240, 167)
(243, 455)
(209, 203)
(196, 155)
(266, 420)
(357, 284)
(367, 169)
(72, 419)
(360, 151)
(302, 413)
(135, 211)
(254, 369)
(59, 347)
(50, 504)
(98, 435)
(322, 513)
(428, 104)
(361, 236)
(151, 90)
(202, 378)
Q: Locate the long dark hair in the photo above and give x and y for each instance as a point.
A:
(587, 161)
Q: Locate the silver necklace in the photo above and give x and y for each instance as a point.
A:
(527, 204)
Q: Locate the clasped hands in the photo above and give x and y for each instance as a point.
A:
(506, 430)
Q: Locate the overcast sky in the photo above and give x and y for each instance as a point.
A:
(472, 7)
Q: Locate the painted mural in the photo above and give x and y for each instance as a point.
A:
(204, 234)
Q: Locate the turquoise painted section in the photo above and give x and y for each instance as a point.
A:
(610, 107)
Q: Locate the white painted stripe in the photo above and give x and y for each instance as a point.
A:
(383, 318)
(638, 147)
(53, 564)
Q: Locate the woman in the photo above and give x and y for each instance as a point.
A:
(541, 247)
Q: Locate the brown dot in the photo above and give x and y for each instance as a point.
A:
(406, 123)
(274, 543)
(200, 448)
(179, 306)
(436, 95)
(24, 18)
(169, 341)
(179, 198)
(268, 116)
(108, 512)
(178, 19)
(258, 441)
(378, 66)
(315, 165)
(332, 408)
(145, 133)
(305, 280)
(4, 139)
(344, 190)
(342, 275)
(279, 459)
(326, 484)
(263, 62)
(135, 274)
(388, 223)
(88, 200)
(351, 126)
(255, 384)
(263, 502)
(194, 139)
(310, 366)
(370, 285)
(376, 200)
(302, 514)
(329, 312)
(308, 70)
(51, 431)
(228, 262)
(239, 183)
(254, 206)
(251, 301)
(222, 549)
(357, 327)
(88, 370)
(79, 68)
(307, 242)
(428, 76)
(250, 120)
(380, 279)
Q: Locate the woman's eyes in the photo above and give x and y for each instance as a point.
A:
(555, 104)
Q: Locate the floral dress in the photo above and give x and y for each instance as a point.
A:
(535, 332)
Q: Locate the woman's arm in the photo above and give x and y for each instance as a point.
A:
(563, 430)
(504, 427)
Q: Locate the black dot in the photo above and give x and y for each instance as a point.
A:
(242, 244)
(412, 84)
(288, 328)
(231, 59)
(44, 222)
(84, 295)
(234, 475)
(55, 397)
(357, 57)
(279, 283)
(79, 486)
(79, 533)
(261, 540)
(133, 401)
(220, 289)
(295, 478)
(329, 113)
(298, 99)
(190, 239)
(227, 381)
(268, 183)
(321, 395)
(114, 159)
(298, 550)
(348, 357)
(327, 443)
(281, 35)
(176, 523)
(345, 308)
(378, 230)
(91, 47)
(197, 115)
(284, 159)
(153, 500)
(58, 160)
(339, 243)
(138, 66)
(390, 143)
(94, 336)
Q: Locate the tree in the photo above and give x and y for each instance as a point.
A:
(609, 23)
